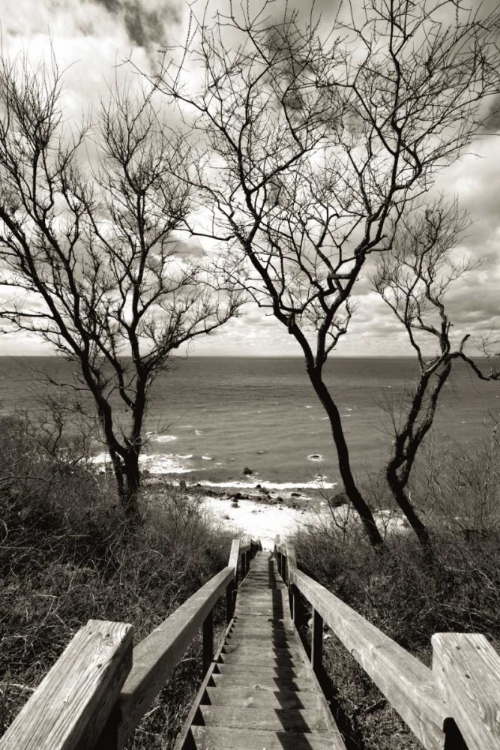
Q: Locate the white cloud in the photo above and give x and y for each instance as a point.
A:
(94, 37)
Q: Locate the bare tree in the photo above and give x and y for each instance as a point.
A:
(90, 256)
(413, 280)
(312, 141)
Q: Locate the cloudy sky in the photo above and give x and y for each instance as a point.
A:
(93, 37)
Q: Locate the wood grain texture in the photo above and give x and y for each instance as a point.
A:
(291, 558)
(265, 717)
(220, 738)
(157, 655)
(234, 554)
(245, 697)
(72, 703)
(259, 687)
(409, 686)
(467, 669)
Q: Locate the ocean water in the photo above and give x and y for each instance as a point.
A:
(210, 418)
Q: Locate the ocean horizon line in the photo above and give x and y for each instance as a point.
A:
(241, 356)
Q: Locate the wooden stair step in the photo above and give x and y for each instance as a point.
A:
(272, 612)
(269, 639)
(264, 594)
(266, 600)
(255, 661)
(263, 636)
(261, 672)
(265, 648)
(262, 625)
(256, 586)
(244, 696)
(261, 620)
(266, 626)
(248, 678)
(262, 717)
(219, 738)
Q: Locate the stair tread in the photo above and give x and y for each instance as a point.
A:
(244, 678)
(245, 696)
(260, 672)
(219, 738)
(264, 647)
(264, 717)
(262, 692)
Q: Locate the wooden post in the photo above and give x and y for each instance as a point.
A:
(208, 641)
(232, 589)
(230, 601)
(317, 642)
(467, 669)
(71, 705)
(293, 598)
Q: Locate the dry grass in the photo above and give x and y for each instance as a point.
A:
(66, 555)
(407, 597)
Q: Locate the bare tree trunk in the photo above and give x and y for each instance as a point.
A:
(127, 476)
(344, 462)
(131, 484)
(404, 503)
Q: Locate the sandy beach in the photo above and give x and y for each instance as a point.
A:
(262, 520)
(258, 520)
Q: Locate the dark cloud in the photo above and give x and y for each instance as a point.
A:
(145, 27)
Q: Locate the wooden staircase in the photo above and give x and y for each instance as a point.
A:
(260, 692)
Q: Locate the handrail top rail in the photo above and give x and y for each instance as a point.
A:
(407, 683)
(124, 683)
(156, 656)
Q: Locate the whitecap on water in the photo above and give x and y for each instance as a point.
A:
(155, 438)
(207, 458)
(157, 463)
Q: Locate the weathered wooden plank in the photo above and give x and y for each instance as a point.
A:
(285, 672)
(157, 655)
(219, 738)
(262, 717)
(72, 703)
(408, 685)
(317, 642)
(264, 649)
(467, 669)
(234, 554)
(208, 641)
(291, 557)
(249, 678)
(254, 661)
(248, 697)
(184, 738)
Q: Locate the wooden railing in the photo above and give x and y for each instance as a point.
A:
(100, 688)
(453, 706)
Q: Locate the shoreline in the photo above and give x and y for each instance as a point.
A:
(262, 514)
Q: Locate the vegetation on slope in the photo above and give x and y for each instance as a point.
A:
(67, 555)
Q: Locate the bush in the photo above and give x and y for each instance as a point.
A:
(67, 555)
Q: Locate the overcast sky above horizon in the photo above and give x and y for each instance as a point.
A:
(93, 37)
